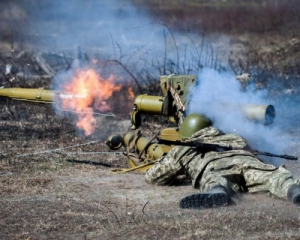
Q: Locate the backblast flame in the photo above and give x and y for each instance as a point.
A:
(94, 91)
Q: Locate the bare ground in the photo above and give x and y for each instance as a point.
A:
(47, 194)
(52, 195)
(87, 202)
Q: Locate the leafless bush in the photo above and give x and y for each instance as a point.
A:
(189, 59)
(269, 70)
(235, 17)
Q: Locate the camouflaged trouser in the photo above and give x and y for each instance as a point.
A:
(236, 172)
(247, 174)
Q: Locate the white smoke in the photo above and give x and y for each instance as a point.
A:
(110, 27)
(219, 97)
(114, 29)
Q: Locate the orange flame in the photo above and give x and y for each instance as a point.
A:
(93, 92)
(130, 93)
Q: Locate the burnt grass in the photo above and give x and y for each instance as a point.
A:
(57, 184)
(50, 189)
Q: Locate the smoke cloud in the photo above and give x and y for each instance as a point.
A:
(218, 95)
(111, 29)
(106, 26)
(115, 29)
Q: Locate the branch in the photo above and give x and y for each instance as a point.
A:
(127, 70)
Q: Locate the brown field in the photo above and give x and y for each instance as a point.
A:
(57, 184)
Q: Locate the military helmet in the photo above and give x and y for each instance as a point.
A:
(192, 124)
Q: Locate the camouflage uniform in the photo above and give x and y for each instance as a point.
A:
(234, 169)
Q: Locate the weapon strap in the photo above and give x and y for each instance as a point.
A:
(148, 144)
(177, 99)
(132, 147)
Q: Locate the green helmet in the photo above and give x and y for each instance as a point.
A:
(192, 124)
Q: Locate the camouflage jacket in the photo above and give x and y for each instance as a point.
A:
(193, 161)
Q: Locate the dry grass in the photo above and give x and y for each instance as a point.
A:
(46, 193)
(230, 16)
(44, 196)
(89, 203)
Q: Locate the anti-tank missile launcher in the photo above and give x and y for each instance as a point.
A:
(154, 105)
(173, 104)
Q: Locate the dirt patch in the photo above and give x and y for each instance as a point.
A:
(88, 202)
(56, 185)
(52, 196)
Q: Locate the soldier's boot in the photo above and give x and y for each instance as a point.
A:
(215, 197)
(294, 194)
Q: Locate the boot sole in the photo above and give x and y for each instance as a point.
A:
(204, 200)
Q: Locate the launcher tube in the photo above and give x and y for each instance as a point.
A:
(149, 104)
(152, 151)
(264, 114)
(37, 94)
(30, 94)
(259, 113)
